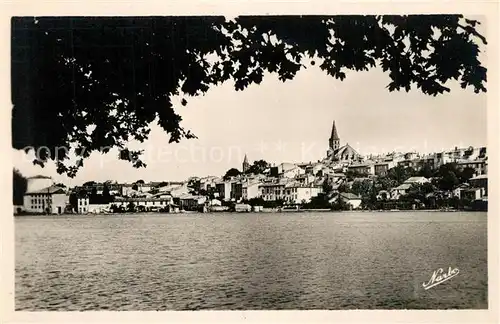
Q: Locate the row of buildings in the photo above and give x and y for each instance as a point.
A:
(291, 183)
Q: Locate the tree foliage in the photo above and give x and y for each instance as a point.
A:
(19, 187)
(233, 172)
(258, 167)
(93, 84)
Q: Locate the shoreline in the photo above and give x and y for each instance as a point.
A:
(261, 212)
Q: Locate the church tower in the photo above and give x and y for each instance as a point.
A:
(246, 165)
(334, 140)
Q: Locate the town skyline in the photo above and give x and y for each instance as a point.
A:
(406, 122)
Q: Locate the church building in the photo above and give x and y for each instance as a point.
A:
(337, 153)
(245, 165)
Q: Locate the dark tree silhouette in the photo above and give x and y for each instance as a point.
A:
(20, 185)
(93, 84)
(258, 167)
(231, 173)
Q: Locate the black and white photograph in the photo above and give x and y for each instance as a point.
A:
(250, 162)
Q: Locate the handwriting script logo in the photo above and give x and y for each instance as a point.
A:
(439, 276)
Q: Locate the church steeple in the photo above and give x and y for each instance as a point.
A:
(246, 165)
(334, 140)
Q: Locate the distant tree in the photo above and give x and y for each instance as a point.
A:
(318, 202)
(162, 184)
(73, 200)
(327, 187)
(106, 196)
(465, 175)
(418, 193)
(19, 186)
(233, 172)
(340, 204)
(369, 199)
(61, 85)
(426, 171)
(258, 201)
(343, 188)
(135, 187)
(131, 207)
(400, 173)
(362, 188)
(385, 183)
(139, 182)
(447, 177)
(353, 174)
(448, 181)
(258, 167)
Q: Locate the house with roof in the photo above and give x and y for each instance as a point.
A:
(400, 190)
(50, 200)
(286, 170)
(365, 168)
(142, 203)
(272, 191)
(457, 192)
(480, 166)
(353, 200)
(480, 181)
(223, 190)
(417, 180)
(250, 189)
(474, 194)
(191, 202)
(295, 192)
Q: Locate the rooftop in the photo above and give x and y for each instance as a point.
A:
(349, 195)
(48, 190)
(479, 177)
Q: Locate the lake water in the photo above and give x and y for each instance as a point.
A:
(250, 261)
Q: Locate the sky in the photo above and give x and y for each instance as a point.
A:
(291, 122)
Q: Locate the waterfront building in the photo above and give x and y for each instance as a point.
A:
(191, 202)
(142, 203)
(480, 181)
(83, 203)
(51, 200)
(400, 190)
(38, 182)
(99, 208)
(223, 190)
(127, 190)
(272, 191)
(297, 193)
(457, 192)
(250, 190)
(237, 189)
(354, 201)
(474, 193)
(177, 189)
